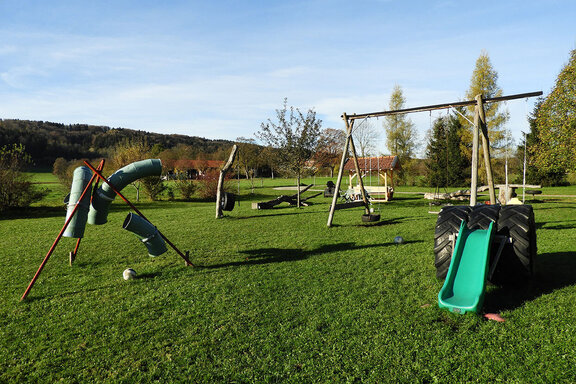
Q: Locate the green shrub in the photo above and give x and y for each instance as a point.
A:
(186, 188)
(153, 187)
(16, 189)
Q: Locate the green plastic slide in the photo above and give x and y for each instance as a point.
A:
(465, 284)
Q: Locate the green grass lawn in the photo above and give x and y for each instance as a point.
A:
(275, 296)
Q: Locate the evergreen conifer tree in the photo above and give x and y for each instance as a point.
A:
(447, 167)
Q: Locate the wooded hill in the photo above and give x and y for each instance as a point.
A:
(46, 141)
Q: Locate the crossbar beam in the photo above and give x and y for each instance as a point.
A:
(442, 106)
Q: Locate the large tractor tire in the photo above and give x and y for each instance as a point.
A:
(482, 215)
(448, 224)
(480, 218)
(517, 260)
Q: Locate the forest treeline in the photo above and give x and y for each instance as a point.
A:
(46, 141)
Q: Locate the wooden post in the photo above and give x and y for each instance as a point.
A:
(475, 144)
(486, 148)
(349, 126)
(386, 185)
(223, 172)
(298, 191)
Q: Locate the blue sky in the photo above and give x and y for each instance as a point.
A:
(217, 69)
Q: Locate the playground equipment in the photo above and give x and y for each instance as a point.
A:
(384, 167)
(151, 237)
(104, 195)
(508, 255)
(464, 251)
(330, 189)
(225, 201)
(463, 290)
(292, 200)
(147, 233)
(514, 247)
(80, 180)
(479, 122)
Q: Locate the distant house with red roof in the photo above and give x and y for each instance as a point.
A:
(383, 166)
(192, 168)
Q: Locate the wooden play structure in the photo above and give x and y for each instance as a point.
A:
(479, 126)
(86, 198)
(292, 200)
(383, 167)
(224, 200)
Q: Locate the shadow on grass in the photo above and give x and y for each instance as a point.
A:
(279, 255)
(149, 275)
(60, 211)
(560, 224)
(295, 212)
(368, 224)
(34, 213)
(553, 271)
(81, 290)
(73, 291)
(559, 205)
(379, 223)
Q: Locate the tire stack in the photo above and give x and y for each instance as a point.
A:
(516, 222)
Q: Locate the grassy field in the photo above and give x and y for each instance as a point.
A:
(275, 296)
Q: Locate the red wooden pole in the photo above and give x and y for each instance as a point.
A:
(59, 235)
(182, 255)
(75, 251)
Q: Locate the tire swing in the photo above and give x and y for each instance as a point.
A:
(227, 201)
(371, 217)
(514, 249)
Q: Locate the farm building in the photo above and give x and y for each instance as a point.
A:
(192, 169)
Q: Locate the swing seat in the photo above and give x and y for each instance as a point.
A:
(375, 192)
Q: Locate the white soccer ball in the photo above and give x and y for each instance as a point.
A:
(129, 274)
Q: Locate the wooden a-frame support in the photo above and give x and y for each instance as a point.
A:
(479, 127)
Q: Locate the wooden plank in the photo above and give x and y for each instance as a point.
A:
(282, 199)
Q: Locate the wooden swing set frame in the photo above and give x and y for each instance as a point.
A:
(479, 126)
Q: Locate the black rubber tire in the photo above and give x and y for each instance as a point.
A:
(482, 215)
(371, 218)
(227, 201)
(480, 218)
(517, 259)
(448, 223)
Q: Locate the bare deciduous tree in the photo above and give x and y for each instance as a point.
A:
(294, 135)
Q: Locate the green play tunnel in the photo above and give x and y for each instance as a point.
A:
(80, 180)
(147, 233)
(104, 195)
